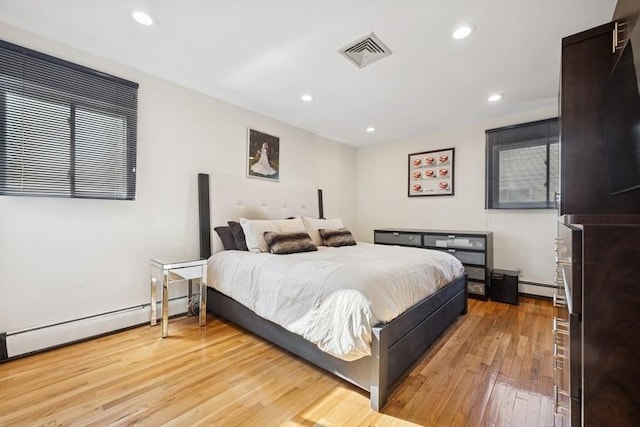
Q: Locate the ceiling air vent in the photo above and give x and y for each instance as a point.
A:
(366, 50)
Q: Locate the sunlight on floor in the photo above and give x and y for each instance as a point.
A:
(512, 406)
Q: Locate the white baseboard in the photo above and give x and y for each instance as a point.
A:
(36, 339)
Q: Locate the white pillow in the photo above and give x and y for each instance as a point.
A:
(254, 230)
(312, 225)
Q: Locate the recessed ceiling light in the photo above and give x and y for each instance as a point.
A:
(370, 129)
(495, 97)
(143, 18)
(306, 97)
(463, 31)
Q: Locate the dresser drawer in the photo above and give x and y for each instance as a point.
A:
(477, 288)
(476, 273)
(569, 264)
(397, 238)
(454, 241)
(474, 249)
(468, 257)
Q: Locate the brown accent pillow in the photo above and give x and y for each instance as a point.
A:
(238, 235)
(228, 241)
(289, 243)
(335, 238)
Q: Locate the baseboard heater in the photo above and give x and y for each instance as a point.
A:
(540, 290)
(33, 340)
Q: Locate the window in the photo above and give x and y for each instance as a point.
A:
(65, 130)
(523, 166)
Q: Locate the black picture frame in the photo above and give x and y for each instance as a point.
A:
(263, 155)
(431, 173)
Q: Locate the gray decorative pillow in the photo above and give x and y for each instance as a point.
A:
(228, 241)
(238, 235)
(335, 238)
(289, 243)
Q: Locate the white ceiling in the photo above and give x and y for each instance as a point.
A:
(264, 54)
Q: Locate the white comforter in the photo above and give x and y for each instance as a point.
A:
(332, 297)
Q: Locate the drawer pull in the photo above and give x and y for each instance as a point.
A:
(396, 234)
(559, 408)
(559, 301)
(560, 247)
(559, 356)
(560, 326)
(559, 351)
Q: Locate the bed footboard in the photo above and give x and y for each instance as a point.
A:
(356, 372)
(397, 345)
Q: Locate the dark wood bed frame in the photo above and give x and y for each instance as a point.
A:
(395, 346)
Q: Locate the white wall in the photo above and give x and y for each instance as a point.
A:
(61, 259)
(521, 238)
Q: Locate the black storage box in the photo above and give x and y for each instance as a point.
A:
(504, 286)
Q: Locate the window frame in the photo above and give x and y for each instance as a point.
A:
(72, 90)
(492, 169)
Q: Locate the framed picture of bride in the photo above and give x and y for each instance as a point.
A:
(263, 155)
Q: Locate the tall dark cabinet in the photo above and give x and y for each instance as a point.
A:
(597, 324)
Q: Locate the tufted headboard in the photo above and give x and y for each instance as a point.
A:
(227, 198)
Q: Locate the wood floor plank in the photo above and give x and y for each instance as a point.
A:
(492, 367)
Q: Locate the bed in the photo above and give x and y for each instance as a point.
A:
(395, 345)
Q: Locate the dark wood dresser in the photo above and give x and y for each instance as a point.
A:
(597, 324)
(474, 249)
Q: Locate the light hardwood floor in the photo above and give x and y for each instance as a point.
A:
(491, 368)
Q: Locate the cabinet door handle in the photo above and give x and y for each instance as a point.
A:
(616, 41)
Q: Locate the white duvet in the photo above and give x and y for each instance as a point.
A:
(333, 296)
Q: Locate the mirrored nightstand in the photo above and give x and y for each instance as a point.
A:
(170, 272)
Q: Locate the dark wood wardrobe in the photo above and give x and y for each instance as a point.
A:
(597, 325)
